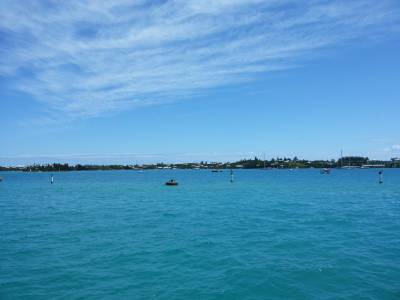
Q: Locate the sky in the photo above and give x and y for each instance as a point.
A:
(183, 80)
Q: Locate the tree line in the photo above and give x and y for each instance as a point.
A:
(255, 163)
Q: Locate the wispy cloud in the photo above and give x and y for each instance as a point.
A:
(395, 147)
(88, 58)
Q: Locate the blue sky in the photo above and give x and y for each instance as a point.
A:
(149, 81)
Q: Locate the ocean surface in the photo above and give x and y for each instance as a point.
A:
(271, 234)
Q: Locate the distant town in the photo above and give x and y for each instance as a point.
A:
(255, 163)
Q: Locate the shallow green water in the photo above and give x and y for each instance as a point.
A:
(274, 234)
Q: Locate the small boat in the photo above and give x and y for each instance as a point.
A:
(325, 171)
(171, 182)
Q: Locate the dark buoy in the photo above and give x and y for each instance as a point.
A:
(380, 176)
(231, 175)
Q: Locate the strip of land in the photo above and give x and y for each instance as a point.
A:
(255, 163)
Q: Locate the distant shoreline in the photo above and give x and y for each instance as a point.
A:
(258, 169)
(351, 162)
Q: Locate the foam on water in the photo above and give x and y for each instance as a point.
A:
(274, 234)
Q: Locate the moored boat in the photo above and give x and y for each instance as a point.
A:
(171, 182)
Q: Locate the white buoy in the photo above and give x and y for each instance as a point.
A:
(51, 179)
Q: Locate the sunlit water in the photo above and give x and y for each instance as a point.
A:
(274, 234)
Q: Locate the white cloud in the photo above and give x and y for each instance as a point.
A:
(87, 58)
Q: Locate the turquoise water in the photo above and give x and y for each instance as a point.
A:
(275, 234)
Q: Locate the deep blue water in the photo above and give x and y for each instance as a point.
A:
(274, 234)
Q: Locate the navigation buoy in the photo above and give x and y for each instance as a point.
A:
(231, 175)
(380, 176)
(51, 179)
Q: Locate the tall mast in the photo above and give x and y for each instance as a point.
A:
(264, 160)
(341, 158)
